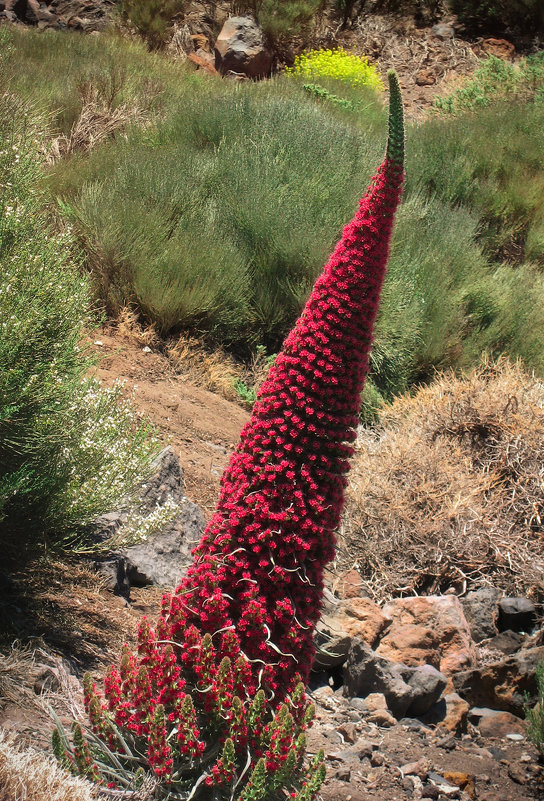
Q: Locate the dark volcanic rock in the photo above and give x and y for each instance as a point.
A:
(408, 690)
(502, 684)
(516, 614)
(164, 557)
(481, 611)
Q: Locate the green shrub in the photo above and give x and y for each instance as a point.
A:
(281, 18)
(499, 15)
(201, 222)
(67, 62)
(337, 64)
(152, 18)
(491, 162)
(497, 79)
(68, 450)
(319, 91)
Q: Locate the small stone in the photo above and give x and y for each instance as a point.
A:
(343, 774)
(377, 759)
(447, 743)
(375, 702)
(364, 748)
(425, 77)
(517, 774)
(321, 693)
(443, 31)
(450, 711)
(382, 718)
(516, 614)
(507, 642)
(348, 732)
(419, 768)
(465, 781)
(349, 585)
(430, 791)
(500, 48)
(501, 724)
(516, 738)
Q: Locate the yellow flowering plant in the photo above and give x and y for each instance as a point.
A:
(338, 64)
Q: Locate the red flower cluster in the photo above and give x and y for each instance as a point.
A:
(241, 624)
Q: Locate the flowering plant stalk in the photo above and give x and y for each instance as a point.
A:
(213, 701)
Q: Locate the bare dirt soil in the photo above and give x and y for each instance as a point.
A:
(201, 426)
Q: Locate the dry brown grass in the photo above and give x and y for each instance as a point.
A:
(128, 326)
(28, 775)
(214, 370)
(101, 116)
(32, 678)
(448, 491)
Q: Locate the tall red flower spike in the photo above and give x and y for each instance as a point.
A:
(190, 706)
(258, 570)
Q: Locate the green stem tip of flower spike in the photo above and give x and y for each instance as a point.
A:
(395, 141)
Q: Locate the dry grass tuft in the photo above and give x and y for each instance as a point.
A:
(34, 679)
(448, 491)
(28, 775)
(214, 370)
(101, 116)
(128, 326)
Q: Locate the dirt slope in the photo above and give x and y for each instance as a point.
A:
(202, 427)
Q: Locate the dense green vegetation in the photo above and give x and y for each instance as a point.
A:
(68, 449)
(497, 15)
(216, 206)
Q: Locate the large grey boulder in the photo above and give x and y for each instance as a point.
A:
(162, 558)
(409, 691)
(240, 47)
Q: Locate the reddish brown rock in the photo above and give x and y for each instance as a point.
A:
(425, 77)
(500, 48)
(500, 724)
(375, 702)
(348, 585)
(203, 61)
(451, 712)
(456, 713)
(240, 47)
(429, 630)
(383, 718)
(465, 781)
(503, 684)
(361, 617)
(420, 768)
